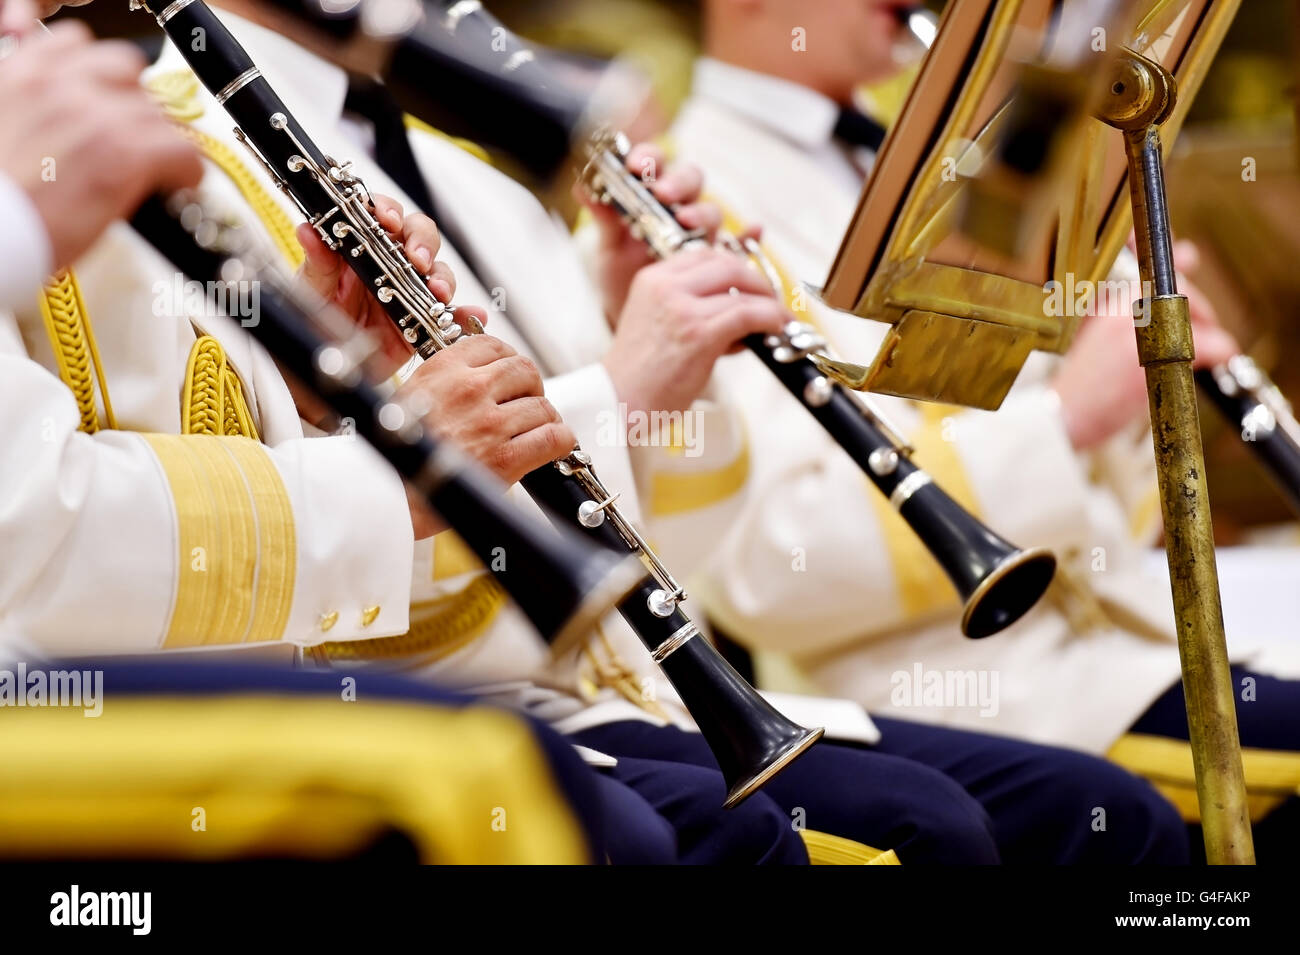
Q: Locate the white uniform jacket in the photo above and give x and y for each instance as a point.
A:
(135, 538)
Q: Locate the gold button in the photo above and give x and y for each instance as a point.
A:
(327, 620)
(368, 615)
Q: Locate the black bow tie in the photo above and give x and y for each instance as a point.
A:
(858, 129)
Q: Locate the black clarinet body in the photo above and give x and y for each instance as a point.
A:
(1250, 401)
(750, 739)
(998, 582)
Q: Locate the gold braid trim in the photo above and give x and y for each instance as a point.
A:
(177, 91)
(238, 420)
(75, 351)
(268, 210)
(454, 622)
(201, 400)
(213, 399)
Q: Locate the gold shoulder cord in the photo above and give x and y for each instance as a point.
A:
(177, 92)
(615, 673)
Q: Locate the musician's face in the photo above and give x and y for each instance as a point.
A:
(831, 45)
(853, 40)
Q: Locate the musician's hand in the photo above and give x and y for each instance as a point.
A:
(681, 315)
(327, 274)
(487, 399)
(1101, 384)
(81, 138)
(620, 256)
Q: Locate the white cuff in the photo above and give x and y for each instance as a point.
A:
(25, 247)
(355, 543)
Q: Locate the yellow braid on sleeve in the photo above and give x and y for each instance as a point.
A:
(76, 355)
(213, 398)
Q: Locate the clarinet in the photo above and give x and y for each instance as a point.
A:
(998, 582)
(750, 739)
(566, 584)
(460, 44)
(1249, 399)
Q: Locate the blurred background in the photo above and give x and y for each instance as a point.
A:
(1232, 179)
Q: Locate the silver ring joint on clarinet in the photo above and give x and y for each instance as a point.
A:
(673, 643)
(168, 12)
(237, 84)
(903, 492)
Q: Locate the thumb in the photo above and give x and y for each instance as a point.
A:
(322, 269)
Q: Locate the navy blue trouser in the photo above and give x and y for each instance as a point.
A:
(1268, 717)
(933, 795)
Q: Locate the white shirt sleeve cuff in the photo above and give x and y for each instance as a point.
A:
(25, 247)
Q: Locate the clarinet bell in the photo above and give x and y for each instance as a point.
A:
(998, 582)
(1006, 591)
(751, 740)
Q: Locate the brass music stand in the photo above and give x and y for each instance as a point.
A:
(957, 234)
